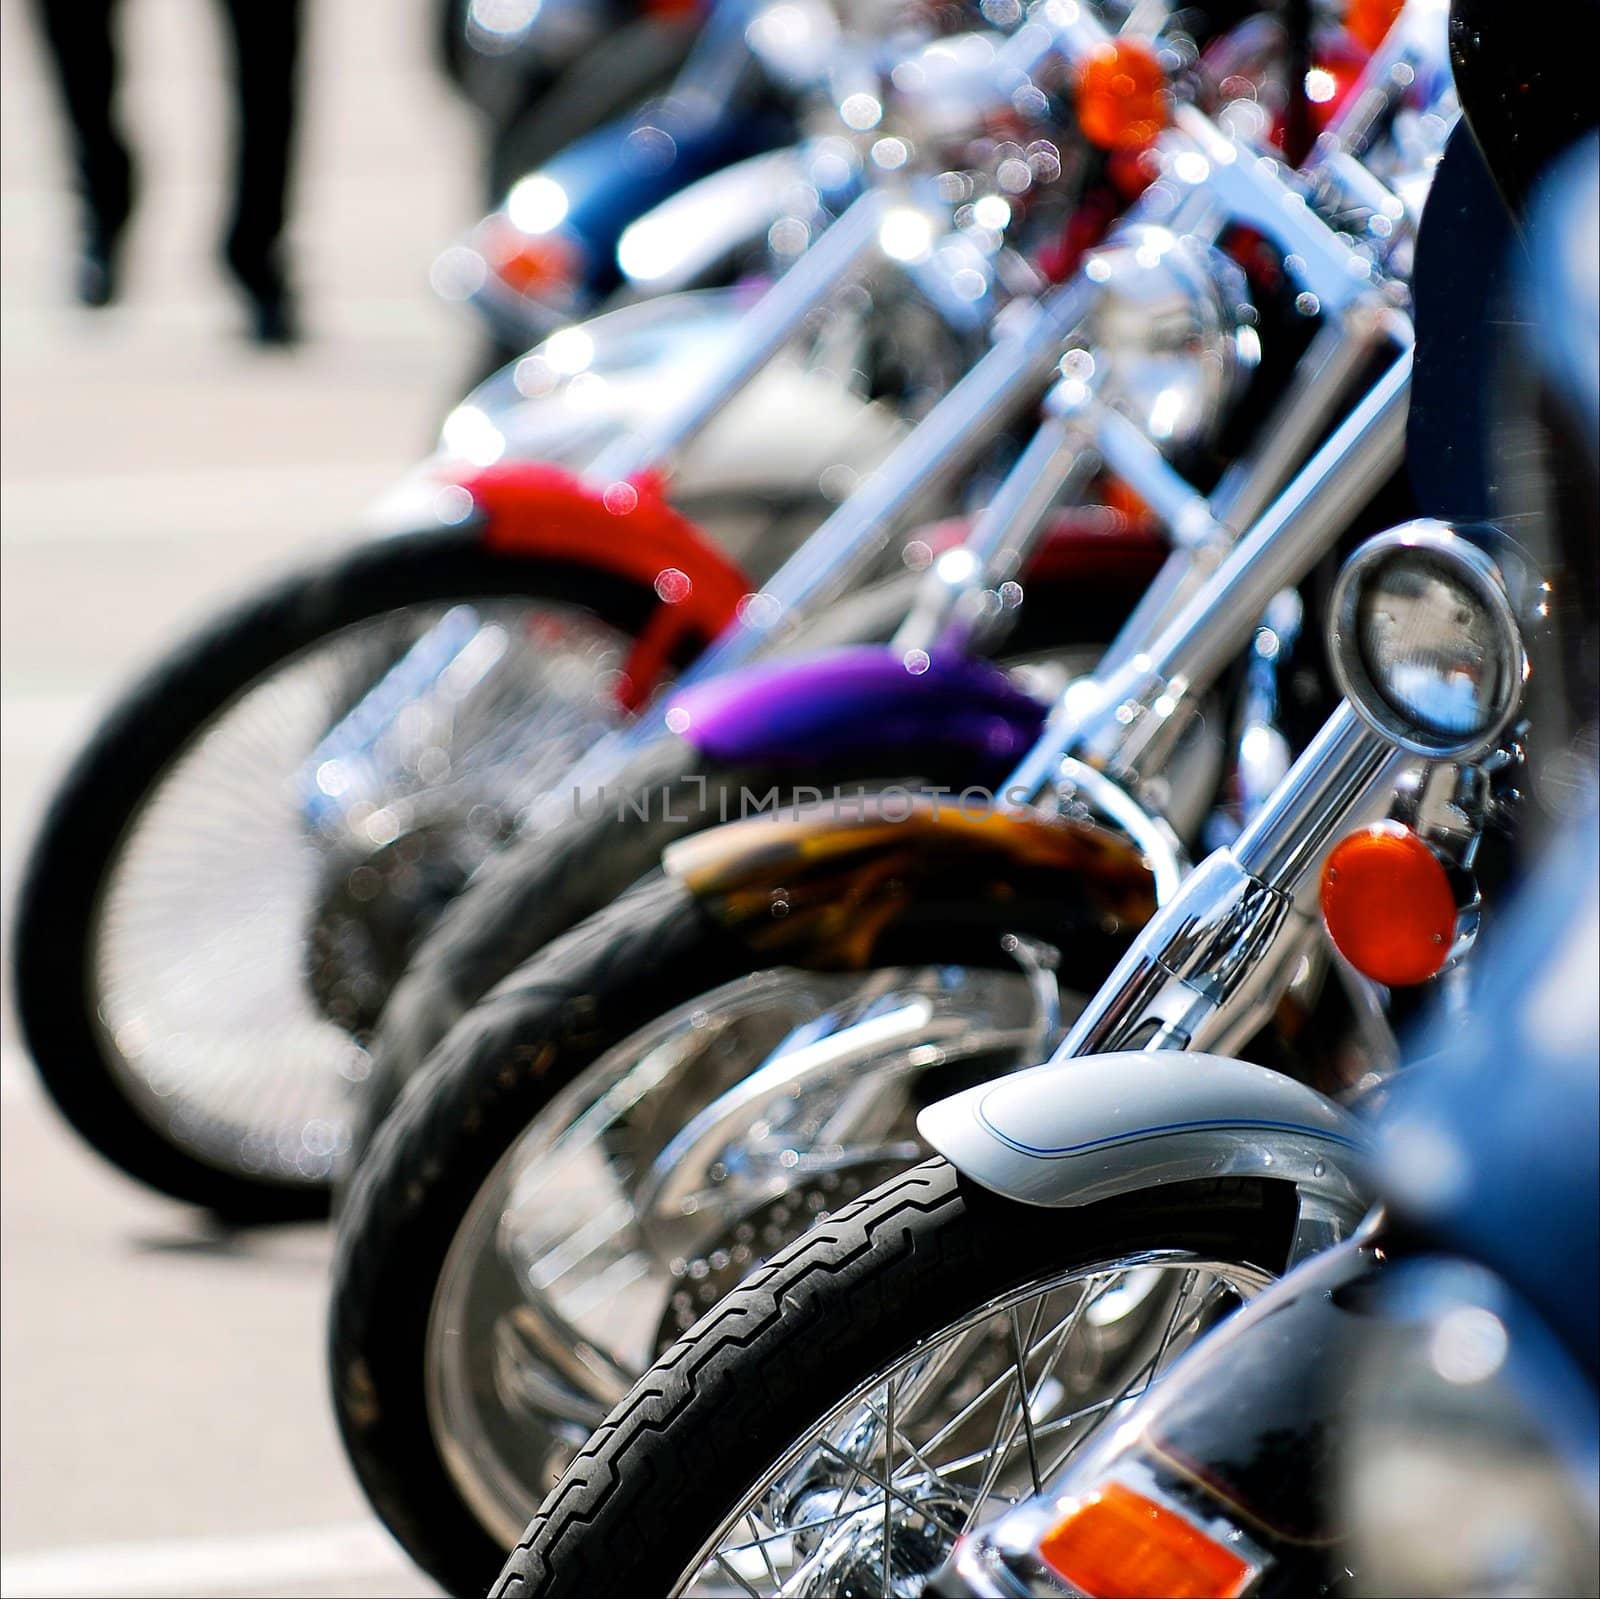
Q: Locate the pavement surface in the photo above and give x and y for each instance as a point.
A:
(165, 1428)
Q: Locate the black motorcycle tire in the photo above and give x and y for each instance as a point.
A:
(843, 1302)
(644, 955)
(140, 739)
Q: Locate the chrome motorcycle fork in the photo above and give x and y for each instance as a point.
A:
(942, 446)
(1208, 970)
(847, 251)
(1125, 721)
(962, 593)
(959, 594)
(1212, 182)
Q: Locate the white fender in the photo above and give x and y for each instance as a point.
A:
(1073, 1132)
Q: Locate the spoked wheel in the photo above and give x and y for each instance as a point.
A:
(509, 1264)
(651, 1186)
(873, 1499)
(907, 1369)
(237, 864)
(262, 897)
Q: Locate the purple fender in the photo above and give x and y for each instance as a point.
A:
(865, 697)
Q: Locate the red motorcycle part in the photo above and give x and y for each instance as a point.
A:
(626, 528)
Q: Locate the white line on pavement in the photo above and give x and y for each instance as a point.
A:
(262, 1562)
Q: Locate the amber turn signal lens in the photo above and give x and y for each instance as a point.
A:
(1122, 96)
(1116, 1544)
(1369, 20)
(1388, 905)
(530, 263)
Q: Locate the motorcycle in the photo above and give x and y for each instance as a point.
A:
(548, 254)
(568, 1128)
(1420, 1415)
(569, 866)
(855, 1408)
(360, 735)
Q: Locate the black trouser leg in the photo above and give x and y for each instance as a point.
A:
(83, 58)
(265, 40)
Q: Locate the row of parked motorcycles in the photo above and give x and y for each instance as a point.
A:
(932, 898)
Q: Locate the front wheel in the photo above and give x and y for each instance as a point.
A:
(603, 1146)
(923, 1358)
(241, 855)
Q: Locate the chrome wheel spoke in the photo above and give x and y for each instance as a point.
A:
(888, 1465)
(648, 1186)
(732, 1571)
(235, 947)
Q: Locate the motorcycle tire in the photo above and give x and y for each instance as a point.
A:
(649, 953)
(841, 1304)
(140, 740)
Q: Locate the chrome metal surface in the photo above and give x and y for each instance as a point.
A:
(232, 933)
(949, 610)
(1251, 189)
(843, 251)
(1170, 330)
(1210, 967)
(665, 1172)
(1346, 770)
(671, 247)
(1082, 785)
(873, 1498)
(1322, 383)
(945, 443)
(1436, 606)
(1142, 707)
(1127, 451)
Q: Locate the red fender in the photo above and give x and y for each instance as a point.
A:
(626, 528)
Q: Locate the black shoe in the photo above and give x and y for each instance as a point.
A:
(105, 207)
(96, 281)
(274, 314)
(274, 319)
(98, 278)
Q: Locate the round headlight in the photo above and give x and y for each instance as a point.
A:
(1424, 641)
(1171, 326)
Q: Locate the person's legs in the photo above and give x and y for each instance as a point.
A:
(265, 39)
(78, 34)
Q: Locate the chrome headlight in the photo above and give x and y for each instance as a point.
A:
(1425, 641)
(1171, 333)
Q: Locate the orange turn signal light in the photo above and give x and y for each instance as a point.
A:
(1116, 1544)
(1122, 100)
(1388, 905)
(530, 263)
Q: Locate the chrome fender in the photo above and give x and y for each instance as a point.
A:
(572, 394)
(676, 244)
(1074, 1132)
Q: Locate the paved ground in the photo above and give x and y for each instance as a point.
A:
(165, 1427)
